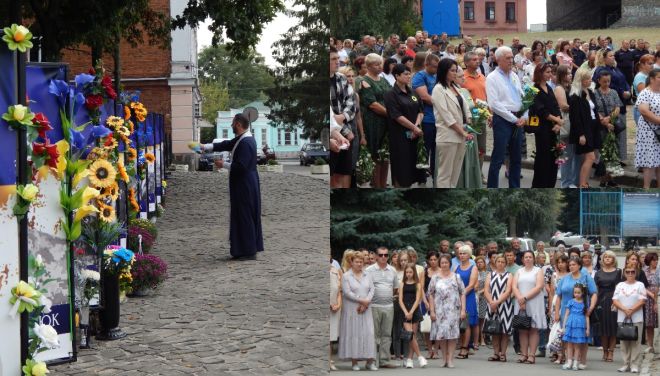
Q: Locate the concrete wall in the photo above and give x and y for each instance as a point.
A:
(639, 13)
(585, 14)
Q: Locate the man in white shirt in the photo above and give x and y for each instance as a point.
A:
(386, 284)
(504, 93)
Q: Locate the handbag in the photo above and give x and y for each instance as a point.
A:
(554, 339)
(626, 331)
(493, 326)
(618, 126)
(463, 326)
(425, 325)
(521, 320)
(406, 335)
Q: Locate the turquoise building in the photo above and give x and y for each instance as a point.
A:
(286, 144)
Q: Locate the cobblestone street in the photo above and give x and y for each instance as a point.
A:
(219, 317)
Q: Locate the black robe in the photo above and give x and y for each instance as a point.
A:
(245, 235)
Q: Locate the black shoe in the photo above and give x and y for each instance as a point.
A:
(243, 258)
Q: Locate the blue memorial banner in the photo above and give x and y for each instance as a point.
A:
(10, 327)
(441, 16)
(641, 214)
(151, 166)
(158, 146)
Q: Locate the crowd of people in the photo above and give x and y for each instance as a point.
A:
(415, 109)
(384, 305)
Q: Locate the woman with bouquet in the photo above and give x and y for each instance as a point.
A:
(549, 149)
(585, 123)
(405, 112)
(608, 105)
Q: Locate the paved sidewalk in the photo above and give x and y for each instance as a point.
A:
(219, 317)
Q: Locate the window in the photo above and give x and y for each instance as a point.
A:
(279, 137)
(490, 11)
(510, 12)
(469, 11)
(287, 138)
(264, 136)
(225, 133)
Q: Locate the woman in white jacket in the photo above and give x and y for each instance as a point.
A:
(451, 114)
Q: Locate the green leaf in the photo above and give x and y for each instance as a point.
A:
(76, 230)
(76, 199)
(65, 202)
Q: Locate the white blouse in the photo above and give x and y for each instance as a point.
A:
(628, 295)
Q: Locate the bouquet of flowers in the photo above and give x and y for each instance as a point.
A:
(559, 151)
(364, 167)
(609, 155)
(117, 260)
(480, 115)
(384, 151)
(422, 155)
(529, 93)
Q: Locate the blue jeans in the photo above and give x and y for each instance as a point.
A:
(570, 170)
(429, 142)
(505, 138)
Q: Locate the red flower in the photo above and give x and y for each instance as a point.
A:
(39, 148)
(110, 92)
(92, 71)
(42, 123)
(106, 81)
(92, 102)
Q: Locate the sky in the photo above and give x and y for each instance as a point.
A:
(272, 33)
(536, 13)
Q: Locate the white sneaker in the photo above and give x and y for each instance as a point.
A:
(567, 365)
(572, 186)
(409, 363)
(623, 369)
(372, 366)
(575, 365)
(582, 366)
(356, 368)
(422, 362)
(634, 370)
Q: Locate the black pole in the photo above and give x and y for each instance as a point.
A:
(22, 178)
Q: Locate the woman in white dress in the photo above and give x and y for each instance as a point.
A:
(335, 308)
(528, 286)
(647, 153)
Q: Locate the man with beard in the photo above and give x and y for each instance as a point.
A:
(245, 236)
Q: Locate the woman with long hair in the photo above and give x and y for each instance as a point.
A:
(410, 297)
(460, 55)
(432, 269)
(570, 169)
(585, 123)
(451, 113)
(606, 280)
(482, 303)
(565, 56)
(609, 104)
(387, 70)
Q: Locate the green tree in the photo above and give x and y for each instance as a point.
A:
(245, 79)
(214, 98)
(354, 18)
(569, 216)
(533, 211)
(242, 22)
(296, 101)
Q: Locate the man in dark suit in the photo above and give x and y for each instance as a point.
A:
(245, 236)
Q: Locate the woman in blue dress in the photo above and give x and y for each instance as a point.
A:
(470, 277)
(564, 294)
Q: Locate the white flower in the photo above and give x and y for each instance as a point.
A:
(90, 274)
(47, 303)
(48, 336)
(39, 261)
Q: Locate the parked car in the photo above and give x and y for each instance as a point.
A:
(568, 239)
(309, 152)
(207, 160)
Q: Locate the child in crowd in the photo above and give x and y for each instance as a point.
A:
(576, 327)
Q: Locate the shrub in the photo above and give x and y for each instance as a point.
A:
(320, 162)
(148, 271)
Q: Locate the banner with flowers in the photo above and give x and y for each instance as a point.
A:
(46, 236)
(158, 146)
(150, 158)
(10, 346)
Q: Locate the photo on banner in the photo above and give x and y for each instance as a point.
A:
(46, 237)
(10, 346)
(151, 166)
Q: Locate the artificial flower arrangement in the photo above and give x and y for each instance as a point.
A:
(142, 234)
(148, 272)
(17, 37)
(383, 153)
(529, 93)
(609, 153)
(31, 297)
(118, 261)
(559, 151)
(480, 115)
(364, 168)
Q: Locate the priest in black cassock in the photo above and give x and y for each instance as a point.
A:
(245, 236)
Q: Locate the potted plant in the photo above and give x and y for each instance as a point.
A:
(116, 262)
(274, 166)
(148, 272)
(320, 166)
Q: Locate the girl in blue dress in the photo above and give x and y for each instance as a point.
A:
(576, 326)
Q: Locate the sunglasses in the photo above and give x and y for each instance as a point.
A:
(630, 272)
(382, 255)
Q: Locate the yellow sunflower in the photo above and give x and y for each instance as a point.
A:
(107, 213)
(123, 130)
(149, 157)
(132, 155)
(112, 190)
(123, 175)
(132, 200)
(114, 122)
(102, 173)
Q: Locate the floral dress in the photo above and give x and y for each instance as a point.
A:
(651, 316)
(446, 294)
(647, 149)
(483, 304)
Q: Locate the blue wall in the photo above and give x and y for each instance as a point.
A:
(441, 16)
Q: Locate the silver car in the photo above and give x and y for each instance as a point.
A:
(568, 239)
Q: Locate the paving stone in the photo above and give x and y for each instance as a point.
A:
(219, 317)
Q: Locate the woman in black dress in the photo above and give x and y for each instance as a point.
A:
(410, 297)
(585, 123)
(405, 113)
(546, 108)
(606, 280)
